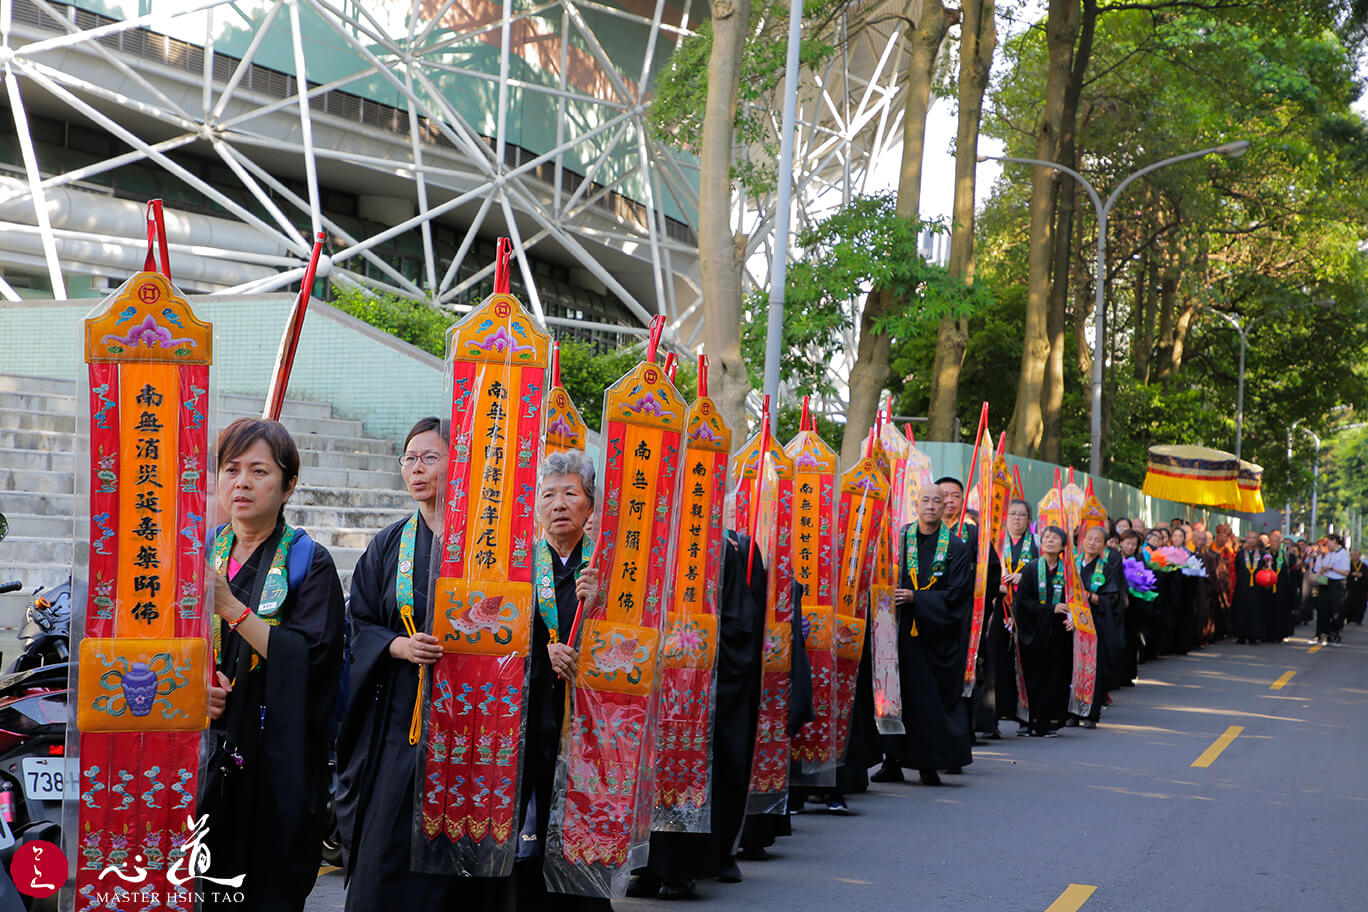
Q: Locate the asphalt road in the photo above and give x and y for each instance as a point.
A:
(1113, 820)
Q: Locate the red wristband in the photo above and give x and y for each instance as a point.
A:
(233, 625)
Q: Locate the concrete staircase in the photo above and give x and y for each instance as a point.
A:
(349, 486)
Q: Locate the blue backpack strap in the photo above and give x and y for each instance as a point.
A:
(297, 564)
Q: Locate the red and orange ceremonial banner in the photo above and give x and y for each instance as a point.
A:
(471, 748)
(1023, 703)
(565, 429)
(814, 539)
(864, 501)
(601, 818)
(687, 698)
(904, 480)
(764, 504)
(1093, 515)
(139, 682)
(983, 486)
(1056, 509)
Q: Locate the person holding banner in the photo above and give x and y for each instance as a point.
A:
(278, 641)
(1045, 633)
(562, 580)
(1019, 550)
(1100, 570)
(377, 752)
(935, 587)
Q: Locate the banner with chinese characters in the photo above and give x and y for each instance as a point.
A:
(904, 480)
(604, 794)
(565, 429)
(1084, 682)
(864, 502)
(768, 490)
(816, 555)
(687, 680)
(983, 486)
(469, 787)
(140, 606)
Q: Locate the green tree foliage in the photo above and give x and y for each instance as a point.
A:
(417, 324)
(676, 113)
(1264, 237)
(863, 245)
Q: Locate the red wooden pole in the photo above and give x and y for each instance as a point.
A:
(973, 464)
(289, 343)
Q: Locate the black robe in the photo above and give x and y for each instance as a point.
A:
(1042, 639)
(377, 765)
(545, 713)
(931, 664)
(983, 703)
(1110, 624)
(679, 857)
(1280, 603)
(1005, 650)
(271, 819)
(1356, 592)
(1247, 608)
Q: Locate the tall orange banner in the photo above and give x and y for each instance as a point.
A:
(816, 555)
(604, 795)
(140, 607)
(687, 703)
(765, 488)
(469, 788)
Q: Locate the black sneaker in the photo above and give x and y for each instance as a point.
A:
(889, 772)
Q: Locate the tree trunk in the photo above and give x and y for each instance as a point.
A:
(870, 371)
(718, 261)
(1144, 352)
(978, 38)
(1052, 406)
(1027, 421)
(1168, 298)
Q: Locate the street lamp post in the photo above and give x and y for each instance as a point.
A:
(1230, 150)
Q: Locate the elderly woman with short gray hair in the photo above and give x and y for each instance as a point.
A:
(561, 579)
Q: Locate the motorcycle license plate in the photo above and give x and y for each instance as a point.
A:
(46, 777)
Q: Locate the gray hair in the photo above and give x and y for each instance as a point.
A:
(570, 462)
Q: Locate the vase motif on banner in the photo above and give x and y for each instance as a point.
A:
(140, 600)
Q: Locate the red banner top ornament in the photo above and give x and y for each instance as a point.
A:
(565, 429)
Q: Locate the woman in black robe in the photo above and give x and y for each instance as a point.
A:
(1183, 629)
(280, 616)
(376, 760)
(1043, 629)
(1020, 550)
(565, 495)
(1280, 603)
(1100, 572)
(1247, 606)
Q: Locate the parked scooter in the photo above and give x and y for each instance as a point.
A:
(33, 712)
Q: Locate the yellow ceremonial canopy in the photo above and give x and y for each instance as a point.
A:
(1192, 474)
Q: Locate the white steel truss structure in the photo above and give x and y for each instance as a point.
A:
(464, 118)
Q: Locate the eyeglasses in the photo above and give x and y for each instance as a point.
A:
(409, 460)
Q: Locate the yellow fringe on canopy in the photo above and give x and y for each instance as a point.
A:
(1194, 475)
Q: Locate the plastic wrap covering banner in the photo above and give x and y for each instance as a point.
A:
(604, 793)
(142, 610)
(903, 481)
(864, 502)
(767, 490)
(815, 553)
(983, 486)
(565, 429)
(683, 769)
(468, 793)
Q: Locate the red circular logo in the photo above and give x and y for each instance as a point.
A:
(39, 869)
(705, 408)
(148, 293)
(502, 309)
(651, 376)
(560, 399)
